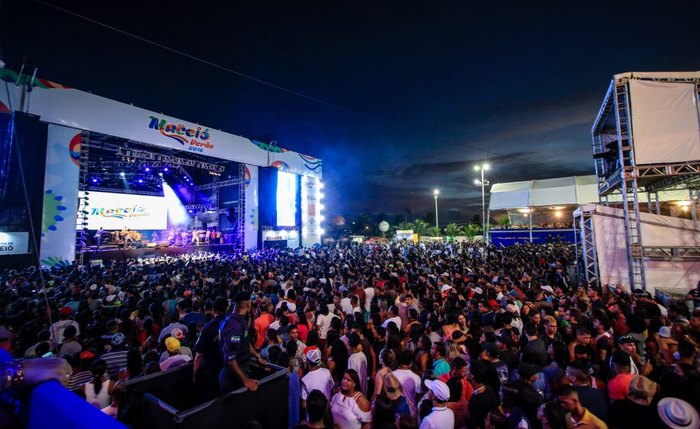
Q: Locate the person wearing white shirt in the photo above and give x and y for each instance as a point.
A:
(394, 317)
(318, 378)
(410, 381)
(440, 417)
(357, 359)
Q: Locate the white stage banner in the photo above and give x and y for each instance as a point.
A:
(661, 231)
(251, 207)
(58, 225)
(665, 122)
(14, 243)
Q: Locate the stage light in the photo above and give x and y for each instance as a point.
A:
(94, 180)
(320, 184)
(320, 196)
(321, 231)
(160, 174)
(177, 214)
(122, 174)
(321, 218)
(166, 169)
(140, 180)
(147, 169)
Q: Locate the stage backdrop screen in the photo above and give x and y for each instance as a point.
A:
(112, 211)
(286, 199)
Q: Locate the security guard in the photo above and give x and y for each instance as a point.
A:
(236, 348)
(207, 349)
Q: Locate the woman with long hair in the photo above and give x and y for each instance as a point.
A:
(388, 362)
(97, 390)
(422, 358)
(350, 408)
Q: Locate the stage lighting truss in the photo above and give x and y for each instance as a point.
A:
(153, 159)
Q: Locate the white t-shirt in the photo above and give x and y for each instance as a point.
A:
(411, 386)
(57, 329)
(439, 418)
(358, 362)
(369, 295)
(319, 379)
(324, 324)
(396, 320)
(345, 305)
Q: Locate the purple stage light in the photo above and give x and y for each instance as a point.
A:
(94, 180)
(148, 169)
(166, 169)
(140, 180)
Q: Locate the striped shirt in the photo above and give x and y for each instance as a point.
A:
(115, 362)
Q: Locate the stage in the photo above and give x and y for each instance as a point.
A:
(109, 255)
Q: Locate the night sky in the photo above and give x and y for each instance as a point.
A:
(396, 97)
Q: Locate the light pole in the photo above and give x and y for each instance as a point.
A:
(436, 192)
(483, 183)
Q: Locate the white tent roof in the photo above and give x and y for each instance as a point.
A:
(574, 190)
(548, 192)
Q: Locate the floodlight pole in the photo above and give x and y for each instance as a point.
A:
(436, 192)
(483, 183)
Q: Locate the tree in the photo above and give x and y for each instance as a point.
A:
(420, 227)
(472, 230)
(452, 230)
(433, 231)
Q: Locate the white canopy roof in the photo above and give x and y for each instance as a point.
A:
(574, 190)
(548, 192)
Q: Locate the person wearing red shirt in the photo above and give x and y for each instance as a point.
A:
(261, 324)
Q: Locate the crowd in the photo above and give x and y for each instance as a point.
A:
(380, 336)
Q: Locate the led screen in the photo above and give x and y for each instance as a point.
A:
(286, 199)
(116, 211)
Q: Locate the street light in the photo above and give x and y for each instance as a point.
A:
(436, 192)
(483, 183)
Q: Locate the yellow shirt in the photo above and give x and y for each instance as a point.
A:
(589, 421)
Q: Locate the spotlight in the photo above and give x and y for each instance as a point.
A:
(148, 169)
(160, 174)
(140, 180)
(94, 180)
(166, 169)
(122, 174)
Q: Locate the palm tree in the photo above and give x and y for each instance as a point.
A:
(420, 227)
(433, 231)
(405, 225)
(472, 230)
(452, 230)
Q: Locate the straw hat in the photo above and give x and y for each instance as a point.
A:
(678, 414)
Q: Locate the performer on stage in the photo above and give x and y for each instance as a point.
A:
(98, 237)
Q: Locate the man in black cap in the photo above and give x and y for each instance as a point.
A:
(207, 359)
(236, 348)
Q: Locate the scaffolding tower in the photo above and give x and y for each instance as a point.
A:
(622, 177)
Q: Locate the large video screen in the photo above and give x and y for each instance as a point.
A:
(286, 199)
(112, 211)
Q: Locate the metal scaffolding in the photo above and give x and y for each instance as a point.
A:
(618, 173)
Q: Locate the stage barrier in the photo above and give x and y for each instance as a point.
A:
(168, 400)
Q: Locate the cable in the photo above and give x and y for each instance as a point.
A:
(198, 59)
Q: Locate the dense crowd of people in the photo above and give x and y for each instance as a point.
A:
(455, 335)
